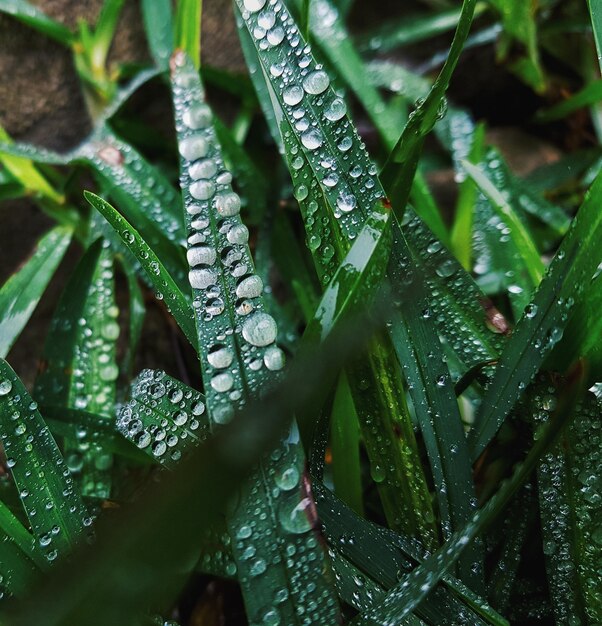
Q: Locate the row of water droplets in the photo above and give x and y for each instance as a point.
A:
(270, 525)
(164, 417)
(221, 268)
(47, 491)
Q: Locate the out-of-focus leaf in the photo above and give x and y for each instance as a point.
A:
(187, 24)
(591, 94)
(21, 293)
(32, 16)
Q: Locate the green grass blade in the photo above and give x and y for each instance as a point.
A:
(461, 234)
(32, 16)
(21, 293)
(345, 447)
(165, 418)
(518, 231)
(187, 36)
(569, 507)
(228, 298)
(56, 513)
(158, 18)
(137, 313)
(543, 322)
(20, 559)
(157, 275)
(596, 14)
(413, 588)
(80, 363)
(382, 556)
(591, 94)
(399, 171)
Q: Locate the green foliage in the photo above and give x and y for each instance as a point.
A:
(430, 453)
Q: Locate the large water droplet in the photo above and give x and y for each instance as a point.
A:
(316, 82)
(5, 387)
(312, 139)
(227, 204)
(201, 279)
(260, 329)
(292, 95)
(238, 234)
(202, 189)
(336, 110)
(254, 5)
(250, 287)
(220, 357)
(198, 116)
(288, 479)
(193, 148)
(222, 382)
(274, 358)
(201, 255)
(203, 169)
(294, 515)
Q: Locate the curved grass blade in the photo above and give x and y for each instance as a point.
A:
(32, 16)
(137, 312)
(231, 322)
(399, 171)
(414, 587)
(55, 511)
(596, 15)
(591, 94)
(544, 320)
(21, 293)
(80, 363)
(157, 275)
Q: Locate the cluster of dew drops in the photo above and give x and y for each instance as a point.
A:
(18, 448)
(217, 237)
(339, 161)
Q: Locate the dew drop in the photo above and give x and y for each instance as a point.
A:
(201, 255)
(274, 358)
(336, 110)
(250, 287)
(5, 387)
(227, 204)
(312, 139)
(193, 148)
(202, 189)
(220, 357)
(222, 382)
(254, 5)
(201, 279)
(260, 329)
(198, 116)
(238, 234)
(316, 82)
(292, 95)
(288, 479)
(203, 169)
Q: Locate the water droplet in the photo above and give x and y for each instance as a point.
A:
(254, 5)
(312, 139)
(238, 234)
(202, 189)
(531, 311)
(336, 110)
(197, 116)
(222, 382)
(292, 95)
(274, 358)
(201, 279)
(378, 473)
(316, 82)
(203, 169)
(258, 567)
(193, 148)
(220, 357)
(294, 515)
(5, 387)
(260, 329)
(201, 255)
(227, 204)
(250, 287)
(346, 201)
(288, 479)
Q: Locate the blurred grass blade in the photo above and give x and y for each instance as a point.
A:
(591, 94)
(231, 321)
(32, 16)
(137, 313)
(155, 272)
(21, 293)
(518, 232)
(55, 511)
(596, 14)
(104, 31)
(80, 367)
(399, 171)
(158, 18)
(544, 320)
(413, 588)
(412, 29)
(187, 35)
(461, 235)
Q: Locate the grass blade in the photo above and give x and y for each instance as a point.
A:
(32, 16)
(228, 298)
(55, 511)
(543, 322)
(155, 272)
(158, 17)
(187, 35)
(21, 293)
